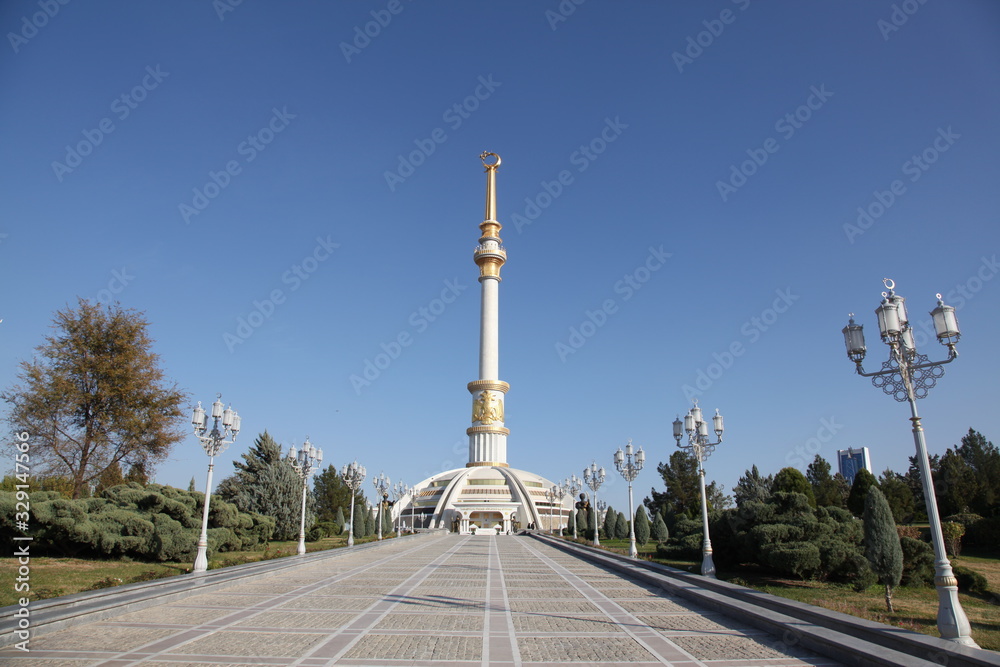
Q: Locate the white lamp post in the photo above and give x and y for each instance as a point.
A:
(594, 477)
(907, 376)
(214, 443)
(629, 468)
(399, 490)
(353, 475)
(573, 486)
(700, 448)
(381, 484)
(304, 462)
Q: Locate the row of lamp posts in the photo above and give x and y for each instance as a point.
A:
(906, 376)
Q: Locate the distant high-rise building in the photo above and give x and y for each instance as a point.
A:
(851, 460)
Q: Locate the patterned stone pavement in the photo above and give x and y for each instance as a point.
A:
(483, 600)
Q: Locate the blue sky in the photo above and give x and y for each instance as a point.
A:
(681, 186)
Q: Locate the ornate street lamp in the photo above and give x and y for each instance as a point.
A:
(629, 469)
(700, 448)
(550, 496)
(602, 511)
(304, 462)
(573, 485)
(907, 376)
(555, 496)
(594, 477)
(214, 443)
(399, 490)
(382, 485)
(353, 475)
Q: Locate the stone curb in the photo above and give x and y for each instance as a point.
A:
(90, 606)
(852, 640)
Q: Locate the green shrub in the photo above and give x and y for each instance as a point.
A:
(970, 581)
(641, 526)
(798, 559)
(985, 533)
(953, 532)
(908, 531)
(918, 562)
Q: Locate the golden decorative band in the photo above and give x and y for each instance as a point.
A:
(487, 464)
(498, 430)
(945, 581)
(494, 385)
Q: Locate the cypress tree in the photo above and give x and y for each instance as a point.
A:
(621, 527)
(863, 480)
(360, 525)
(659, 530)
(882, 548)
(582, 522)
(610, 517)
(369, 522)
(340, 518)
(641, 526)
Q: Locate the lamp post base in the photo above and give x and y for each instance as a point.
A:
(201, 560)
(302, 545)
(632, 551)
(707, 564)
(952, 622)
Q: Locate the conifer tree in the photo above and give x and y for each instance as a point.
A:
(882, 548)
(659, 530)
(340, 518)
(94, 396)
(863, 480)
(610, 517)
(265, 483)
(112, 476)
(360, 527)
(641, 526)
(621, 526)
(191, 485)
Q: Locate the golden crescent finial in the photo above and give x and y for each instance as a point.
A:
(484, 155)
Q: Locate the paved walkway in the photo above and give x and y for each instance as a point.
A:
(434, 600)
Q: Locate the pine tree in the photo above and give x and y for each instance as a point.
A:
(882, 548)
(265, 483)
(826, 489)
(332, 493)
(659, 530)
(191, 485)
(752, 487)
(641, 526)
(94, 396)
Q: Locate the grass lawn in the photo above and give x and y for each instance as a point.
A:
(52, 577)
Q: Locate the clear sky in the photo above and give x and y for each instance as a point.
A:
(288, 190)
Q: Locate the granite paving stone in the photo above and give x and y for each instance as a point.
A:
(430, 600)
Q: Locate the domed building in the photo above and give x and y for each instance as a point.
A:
(486, 494)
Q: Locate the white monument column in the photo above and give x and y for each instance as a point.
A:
(487, 435)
